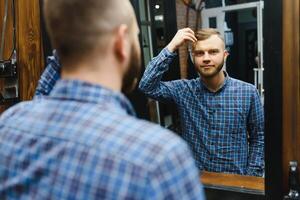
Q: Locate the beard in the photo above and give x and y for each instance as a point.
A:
(211, 74)
(132, 74)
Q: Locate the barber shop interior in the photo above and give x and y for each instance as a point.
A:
(150, 99)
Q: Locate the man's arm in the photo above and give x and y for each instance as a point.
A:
(49, 76)
(176, 176)
(151, 83)
(256, 137)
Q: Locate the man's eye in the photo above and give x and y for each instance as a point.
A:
(199, 53)
(213, 52)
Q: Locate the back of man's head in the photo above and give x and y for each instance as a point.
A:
(78, 27)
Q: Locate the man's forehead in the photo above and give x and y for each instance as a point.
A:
(213, 42)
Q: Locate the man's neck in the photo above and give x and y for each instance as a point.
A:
(214, 83)
(107, 76)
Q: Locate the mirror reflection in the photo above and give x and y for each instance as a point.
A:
(213, 77)
(219, 100)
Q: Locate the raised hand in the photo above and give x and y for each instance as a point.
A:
(182, 36)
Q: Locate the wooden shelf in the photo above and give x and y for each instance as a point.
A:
(233, 182)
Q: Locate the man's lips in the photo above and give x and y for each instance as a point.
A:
(207, 66)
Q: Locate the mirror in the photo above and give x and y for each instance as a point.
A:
(241, 26)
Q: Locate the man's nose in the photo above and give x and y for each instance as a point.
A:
(206, 57)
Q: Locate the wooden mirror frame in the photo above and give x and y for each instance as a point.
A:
(283, 86)
(282, 96)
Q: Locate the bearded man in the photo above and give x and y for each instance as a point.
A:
(222, 118)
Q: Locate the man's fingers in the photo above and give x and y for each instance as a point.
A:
(187, 29)
(191, 37)
(182, 36)
(190, 33)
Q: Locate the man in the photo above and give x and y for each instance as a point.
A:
(222, 118)
(82, 141)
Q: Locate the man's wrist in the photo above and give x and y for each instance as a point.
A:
(167, 53)
(171, 48)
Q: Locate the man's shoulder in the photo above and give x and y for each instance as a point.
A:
(132, 139)
(139, 142)
(186, 83)
(153, 144)
(17, 109)
(153, 134)
(242, 85)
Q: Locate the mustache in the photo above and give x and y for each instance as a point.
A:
(207, 65)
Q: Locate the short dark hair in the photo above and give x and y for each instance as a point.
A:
(77, 27)
(204, 34)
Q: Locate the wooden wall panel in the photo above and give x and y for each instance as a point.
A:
(291, 85)
(8, 41)
(29, 40)
(9, 29)
(28, 44)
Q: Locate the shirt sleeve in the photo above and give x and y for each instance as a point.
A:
(256, 137)
(151, 83)
(176, 177)
(49, 76)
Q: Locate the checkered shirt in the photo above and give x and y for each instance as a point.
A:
(82, 142)
(225, 129)
(49, 76)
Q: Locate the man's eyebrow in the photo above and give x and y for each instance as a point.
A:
(213, 50)
(199, 50)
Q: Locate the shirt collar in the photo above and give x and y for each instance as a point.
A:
(92, 93)
(225, 83)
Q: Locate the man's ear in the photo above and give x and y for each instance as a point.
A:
(121, 45)
(226, 54)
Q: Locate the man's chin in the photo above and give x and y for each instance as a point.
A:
(207, 74)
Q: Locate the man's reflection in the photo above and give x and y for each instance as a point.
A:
(222, 118)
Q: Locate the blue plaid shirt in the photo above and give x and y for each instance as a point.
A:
(82, 142)
(49, 77)
(225, 129)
